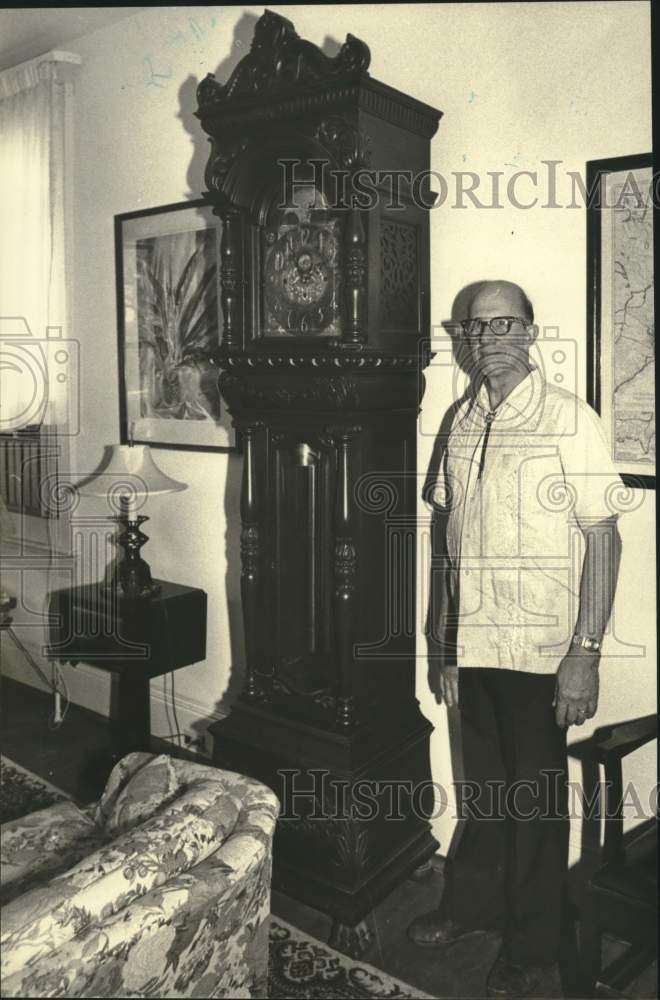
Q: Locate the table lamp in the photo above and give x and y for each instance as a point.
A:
(128, 478)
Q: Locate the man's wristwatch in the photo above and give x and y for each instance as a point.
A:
(593, 645)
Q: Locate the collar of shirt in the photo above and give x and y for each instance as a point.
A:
(521, 408)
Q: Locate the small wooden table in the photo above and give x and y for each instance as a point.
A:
(135, 639)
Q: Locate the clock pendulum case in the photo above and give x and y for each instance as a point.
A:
(325, 299)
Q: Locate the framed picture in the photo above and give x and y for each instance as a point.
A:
(170, 324)
(620, 310)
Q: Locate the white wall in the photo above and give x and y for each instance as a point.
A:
(518, 84)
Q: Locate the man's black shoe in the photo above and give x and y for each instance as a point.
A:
(508, 981)
(433, 930)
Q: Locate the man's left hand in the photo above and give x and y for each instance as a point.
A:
(576, 694)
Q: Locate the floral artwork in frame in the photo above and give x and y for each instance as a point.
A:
(170, 323)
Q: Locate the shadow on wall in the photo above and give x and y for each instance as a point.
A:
(240, 46)
(461, 355)
(241, 42)
(230, 587)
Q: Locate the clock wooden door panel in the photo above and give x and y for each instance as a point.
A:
(325, 299)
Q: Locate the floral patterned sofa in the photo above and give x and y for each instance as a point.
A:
(160, 889)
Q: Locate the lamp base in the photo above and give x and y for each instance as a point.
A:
(132, 576)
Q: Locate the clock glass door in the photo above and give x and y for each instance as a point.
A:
(302, 476)
(301, 268)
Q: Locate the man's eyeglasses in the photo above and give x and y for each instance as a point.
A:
(500, 325)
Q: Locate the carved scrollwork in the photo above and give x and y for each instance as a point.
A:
(322, 361)
(350, 147)
(399, 275)
(356, 267)
(250, 392)
(345, 566)
(230, 278)
(346, 840)
(279, 59)
(220, 162)
(250, 550)
(356, 273)
(338, 393)
(324, 699)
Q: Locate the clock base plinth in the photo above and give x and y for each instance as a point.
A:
(354, 805)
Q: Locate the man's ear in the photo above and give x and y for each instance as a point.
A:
(532, 331)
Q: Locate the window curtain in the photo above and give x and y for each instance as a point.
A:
(33, 153)
(38, 355)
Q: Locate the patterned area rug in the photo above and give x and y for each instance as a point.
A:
(300, 967)
(22, 792)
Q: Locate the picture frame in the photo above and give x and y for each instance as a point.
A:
(170, 322)
(620, 310)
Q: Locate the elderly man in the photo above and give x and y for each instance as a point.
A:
(521, 594)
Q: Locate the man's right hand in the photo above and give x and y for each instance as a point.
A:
(449, 686)
(442, 675)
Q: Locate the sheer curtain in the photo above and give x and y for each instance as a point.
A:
(34, 114)
(38, 354)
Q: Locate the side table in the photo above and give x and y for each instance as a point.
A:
(136, 639)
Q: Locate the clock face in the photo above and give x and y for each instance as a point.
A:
(301, 276)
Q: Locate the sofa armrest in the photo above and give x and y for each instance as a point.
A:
(201, 902)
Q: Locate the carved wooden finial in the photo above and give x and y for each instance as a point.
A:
(279, 60)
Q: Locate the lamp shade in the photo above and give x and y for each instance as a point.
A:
(131, 473)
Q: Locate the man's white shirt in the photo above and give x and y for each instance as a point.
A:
(515, 529)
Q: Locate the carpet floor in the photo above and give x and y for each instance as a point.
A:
(22, 792)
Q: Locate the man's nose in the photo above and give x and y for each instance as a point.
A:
(486, 335)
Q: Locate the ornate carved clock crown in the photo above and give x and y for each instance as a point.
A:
(319, 174)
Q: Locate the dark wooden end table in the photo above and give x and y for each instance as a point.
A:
(135, 639)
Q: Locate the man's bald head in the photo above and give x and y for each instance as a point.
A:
(500, 298)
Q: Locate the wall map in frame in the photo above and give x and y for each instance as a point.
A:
(621, 327)
(170, 323)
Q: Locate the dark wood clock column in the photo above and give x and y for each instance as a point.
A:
(325, 295)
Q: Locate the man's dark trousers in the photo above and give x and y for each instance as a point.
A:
(509, 870)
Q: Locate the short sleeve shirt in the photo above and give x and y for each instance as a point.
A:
(517, 512)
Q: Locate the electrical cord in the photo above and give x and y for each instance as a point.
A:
(176, 719)
(54, 722)
(27, 654)
(168, 736)
(178, 734)
(167, 709)
(56, 683)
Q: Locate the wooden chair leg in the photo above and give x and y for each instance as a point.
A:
(591, 936)
(569, 956)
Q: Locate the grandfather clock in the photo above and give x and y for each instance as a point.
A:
(319, 175)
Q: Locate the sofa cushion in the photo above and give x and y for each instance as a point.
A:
(173, 840)
(138, 786)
